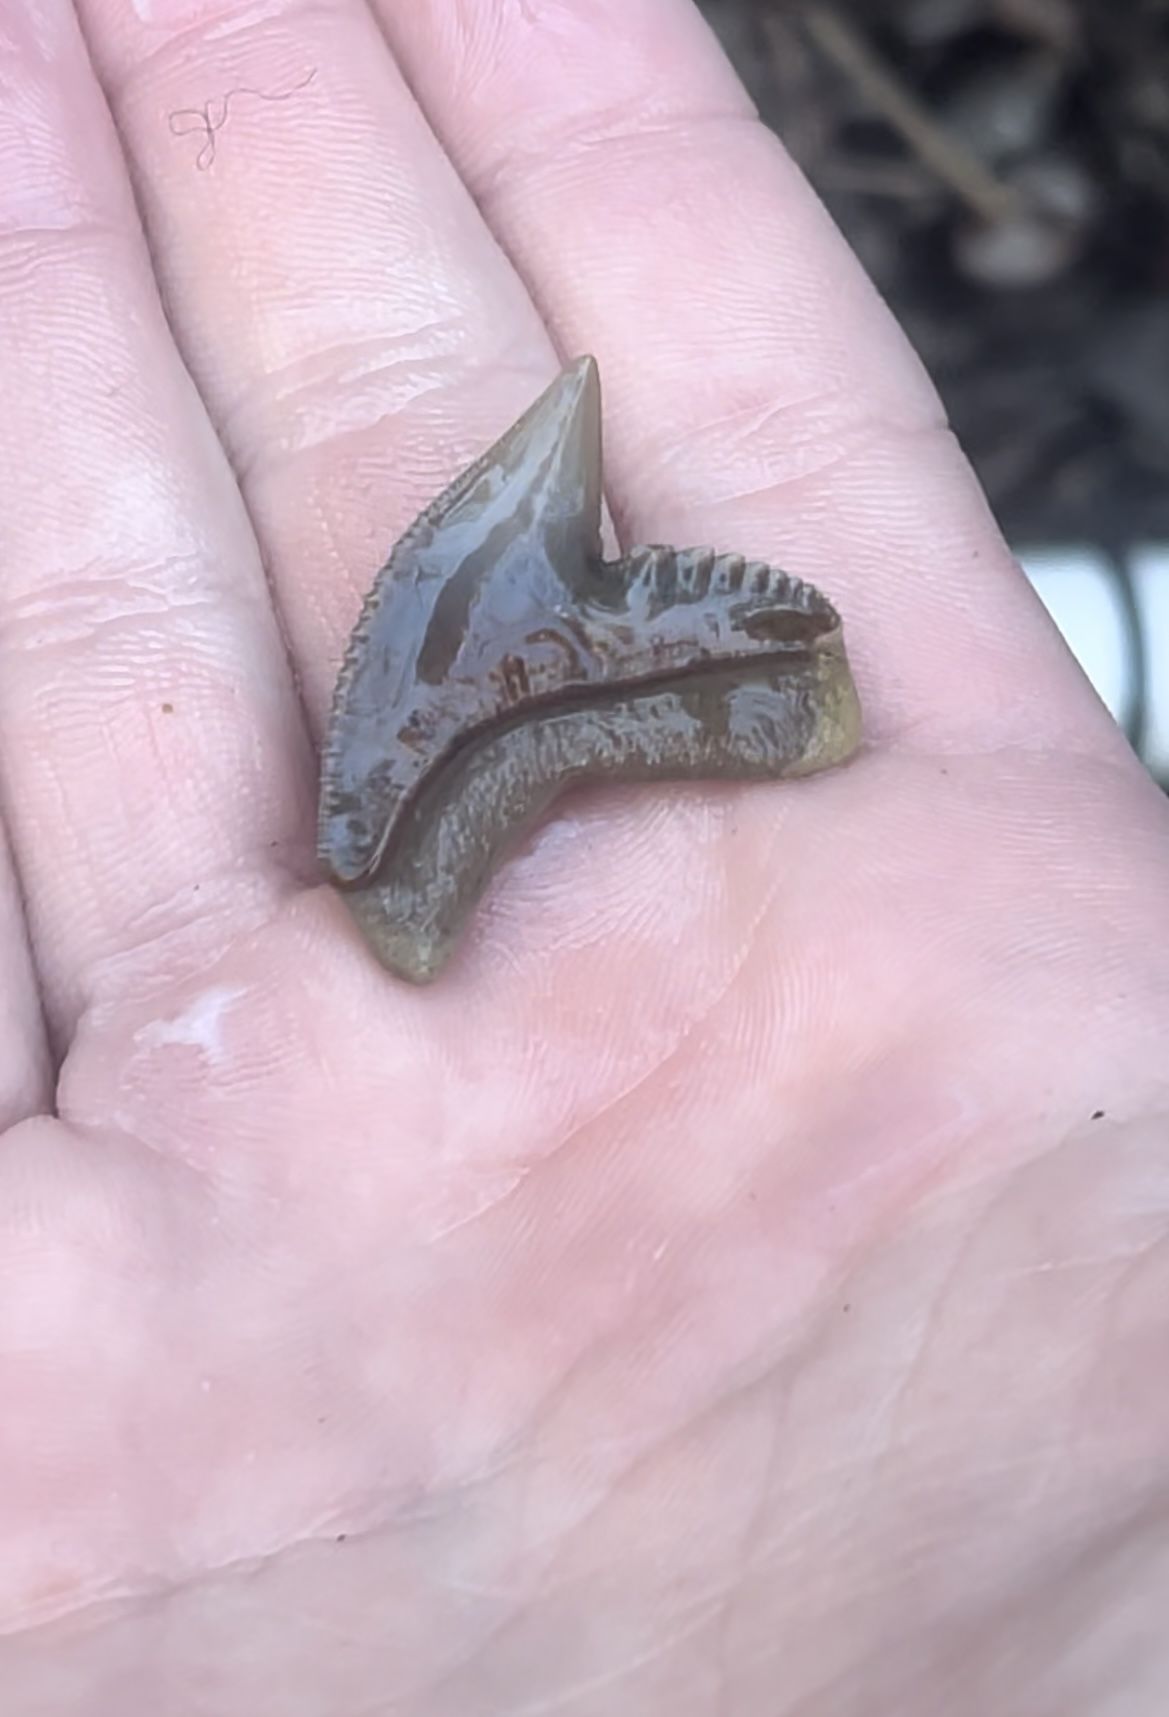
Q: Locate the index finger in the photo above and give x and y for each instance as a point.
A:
(758, 394)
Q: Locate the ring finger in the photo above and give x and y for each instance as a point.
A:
(154, 761)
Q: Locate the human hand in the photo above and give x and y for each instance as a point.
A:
(741, 1282)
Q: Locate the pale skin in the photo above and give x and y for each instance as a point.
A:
(741, 1285)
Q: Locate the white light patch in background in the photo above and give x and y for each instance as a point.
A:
(1081, 591)
(1150, 576)
(1078, 589)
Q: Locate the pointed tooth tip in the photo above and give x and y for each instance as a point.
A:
(574, 394)
(582, 376)
(573, 404)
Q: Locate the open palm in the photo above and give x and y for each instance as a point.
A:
(741, 1284)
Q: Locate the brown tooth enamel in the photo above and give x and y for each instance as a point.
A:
(498, 659)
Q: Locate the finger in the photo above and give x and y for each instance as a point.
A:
(152, 754)
(25, 1078)
(758, 394)
(355, 329)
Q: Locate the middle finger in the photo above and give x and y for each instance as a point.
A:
(355, 329)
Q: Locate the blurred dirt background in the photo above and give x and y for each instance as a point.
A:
(1002, 169)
